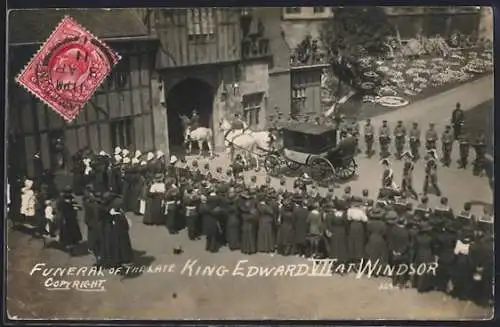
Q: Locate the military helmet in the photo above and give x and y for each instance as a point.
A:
(365, 192)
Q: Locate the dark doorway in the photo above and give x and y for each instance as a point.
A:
(182, 99)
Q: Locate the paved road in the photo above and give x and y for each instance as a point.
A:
(175, 295)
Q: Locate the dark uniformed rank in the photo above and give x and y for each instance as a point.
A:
(369, 132)
(399, 138)
(447, 146)
(431, 137)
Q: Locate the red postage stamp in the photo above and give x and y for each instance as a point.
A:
(68, 68)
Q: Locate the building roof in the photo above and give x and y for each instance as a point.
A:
(306, 128)
(32, 26)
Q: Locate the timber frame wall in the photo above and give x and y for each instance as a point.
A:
(31, 122)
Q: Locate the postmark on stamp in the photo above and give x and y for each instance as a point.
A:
(68, 68)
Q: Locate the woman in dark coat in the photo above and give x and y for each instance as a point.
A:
(424, 254)
(463, 270)
(356, 238)
(127, 188)
(300, 225)
(445, 242)
(248, 214)
(136, 191)
(78, 169)
(69, 231)
(265, 235)
(376, 247)
(286, 234)
(154, 214)
(336, 221)
(233, 227)
(211, 223)
(116, 248)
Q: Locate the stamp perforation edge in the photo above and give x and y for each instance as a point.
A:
(116, 56)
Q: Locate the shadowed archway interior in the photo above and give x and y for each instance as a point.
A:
(182, 99)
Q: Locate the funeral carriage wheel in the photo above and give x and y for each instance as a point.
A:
(321, 169)
(292, 165)
(272, 165)
(347, 170)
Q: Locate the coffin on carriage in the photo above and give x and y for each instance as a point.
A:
(315, 147)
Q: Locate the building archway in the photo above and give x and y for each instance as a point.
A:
(182, 99)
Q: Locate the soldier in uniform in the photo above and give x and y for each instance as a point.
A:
(431, 137)
(384, 136)
(464, 146)
(447, 145)
(414, 135)
(480, 149)
(399, 138)
(431, 174)
(387, 175)
(369, 136)
(457, 120)
(195, 120)
(407, 183)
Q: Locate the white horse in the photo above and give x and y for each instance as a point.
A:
(200, 135)
(249, 142)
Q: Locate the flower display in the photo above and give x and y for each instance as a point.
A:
(407, 77)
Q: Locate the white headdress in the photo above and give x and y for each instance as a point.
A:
(150, 156)
(125, 152)
(118, 150)
(137, 154)
(143, 163)
(118, 157)
(126, 160)
(173, 159)
(159, 154)
(385, 162)
(103, 153)
(135, 161)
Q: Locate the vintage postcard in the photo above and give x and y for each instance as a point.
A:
(250, 163)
